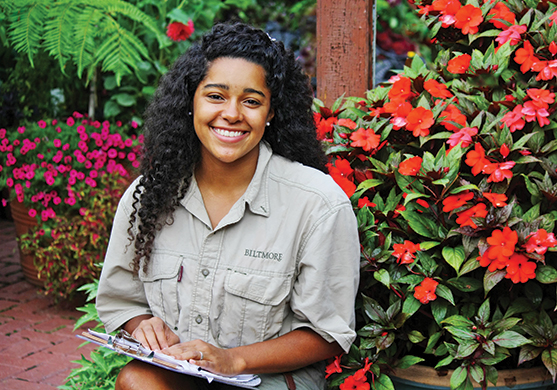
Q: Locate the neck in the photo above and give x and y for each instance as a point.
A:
(216, 176)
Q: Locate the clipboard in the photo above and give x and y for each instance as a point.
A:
(123, 343)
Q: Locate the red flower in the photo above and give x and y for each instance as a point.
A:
(476, 159)
(519, 269)
(468, 18)
(539, 242)
(355, 382)
(499, 171)
(347, 186)
(459, 64)
(179, 31)
(401, 89)
(437, 89)
(365, 138)
(419, 121)
(405, 252)
(453, 202)
(347, 123)
(502, 243)
(411, 166)
(465, 217)
(542, 97)
(334, 367)
(504, 150)
(452, 114)
(324, 126)
(501, 13)
(525, 57)
(497, 200)
(365, 202)
(341, 173)
(425, 292)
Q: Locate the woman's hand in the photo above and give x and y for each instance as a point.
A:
(207, 356)
(152, 332)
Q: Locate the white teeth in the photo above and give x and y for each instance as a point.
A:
(226, 133)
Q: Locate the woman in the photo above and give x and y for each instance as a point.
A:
(245, 257)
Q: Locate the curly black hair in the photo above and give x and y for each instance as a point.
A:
(172, 149)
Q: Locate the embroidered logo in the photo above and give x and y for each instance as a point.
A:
(263, 255)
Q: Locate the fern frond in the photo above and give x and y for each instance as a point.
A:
(134, 13)
(59, 31)
(26, 26)
(84, 33)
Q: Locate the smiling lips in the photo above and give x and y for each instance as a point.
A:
(228, 133)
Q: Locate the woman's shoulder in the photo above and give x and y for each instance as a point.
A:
(296, 177)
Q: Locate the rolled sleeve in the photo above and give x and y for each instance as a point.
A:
(120, 296)
(328, 276)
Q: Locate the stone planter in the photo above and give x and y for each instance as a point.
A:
(420, 377)
(23, 224)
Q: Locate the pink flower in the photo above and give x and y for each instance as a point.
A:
(514, 119)
(512, 34)
(464, 137)
(70, 121)
(42, 124)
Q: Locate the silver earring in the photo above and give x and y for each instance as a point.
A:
(189, 113)
(268, 124)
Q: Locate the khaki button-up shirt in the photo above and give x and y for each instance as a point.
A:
(286, 256)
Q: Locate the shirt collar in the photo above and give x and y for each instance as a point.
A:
(256, 195)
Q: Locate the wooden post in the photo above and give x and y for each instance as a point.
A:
(345, 42)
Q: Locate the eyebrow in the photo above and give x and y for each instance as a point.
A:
(225, 87)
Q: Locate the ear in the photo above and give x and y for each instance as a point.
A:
(271, 115)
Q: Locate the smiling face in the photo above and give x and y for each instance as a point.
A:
(231, 107)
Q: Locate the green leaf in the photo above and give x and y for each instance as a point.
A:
(408, 361)
(492, 278)
(367, 184)
(383, 382)
(421, 225)
(546, 274)
(444, 292)
(549, 359)
(459, 321)
(125, 99)
(466, 348)
(477, 373)
(465, 284)
(384, 341)
(410, 305)
(374, 310)
(415, 337)
(510, 339)
(528, 352)
(460, 333)
(458, 377)
(439, 310)
(454, 256)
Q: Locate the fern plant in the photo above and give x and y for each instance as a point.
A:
(88, 33)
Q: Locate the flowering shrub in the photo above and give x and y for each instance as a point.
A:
(52, 167)
(451, 168)
(70, 175)
(70, 255)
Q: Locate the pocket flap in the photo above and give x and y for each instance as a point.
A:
(161, 266)
(267, 290)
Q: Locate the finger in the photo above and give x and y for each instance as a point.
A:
(159, 329)
(151, 338)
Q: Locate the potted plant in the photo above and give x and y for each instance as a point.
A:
(62, 171)
(451, 168)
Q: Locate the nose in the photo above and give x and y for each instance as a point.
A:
(232, 111)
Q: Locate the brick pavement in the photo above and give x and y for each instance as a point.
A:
(37, 342)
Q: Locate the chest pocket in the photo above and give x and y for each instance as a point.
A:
(253, 308)
(160, 284)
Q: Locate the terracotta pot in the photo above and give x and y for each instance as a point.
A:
(23, 224)
(420, 377)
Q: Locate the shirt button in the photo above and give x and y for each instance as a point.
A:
(205, 272)
(199, 319)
